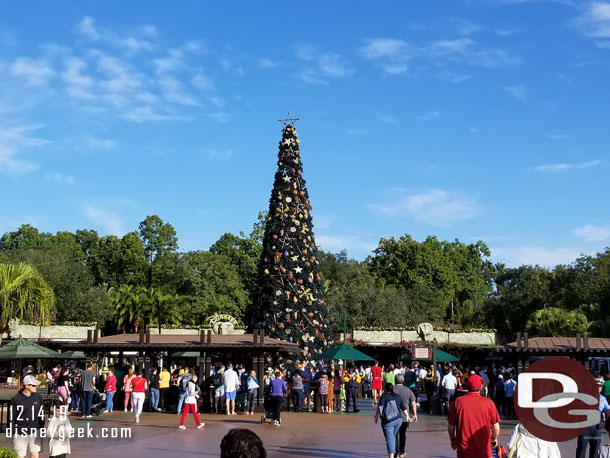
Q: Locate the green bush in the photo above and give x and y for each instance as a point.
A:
(7, 453)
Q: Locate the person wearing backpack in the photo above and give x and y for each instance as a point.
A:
(219, 390)
(391, 409)
(183, 381)
(190, 403)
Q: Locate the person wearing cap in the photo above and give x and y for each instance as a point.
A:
(473, 423)
(593, 435)
(27, 419)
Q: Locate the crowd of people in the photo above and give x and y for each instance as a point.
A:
(473, 398)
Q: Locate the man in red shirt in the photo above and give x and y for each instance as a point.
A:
(470, 419)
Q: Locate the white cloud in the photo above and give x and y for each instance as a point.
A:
(594, 21)
(125, 43)
(558, 136)
(218, 154)
(518, 92)
(395, 56)
(436, 207)
(516, 256)
(266, 63)
(59, 178)
(592, 233)
(320, 66)
(428, 115)
(391, 54)
(388, 119)
(564, 168)
(77, 83)
(15, 140)
(36, 72)
(110, 221)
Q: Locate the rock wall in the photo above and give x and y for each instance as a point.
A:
(391, 337)
(32, 331)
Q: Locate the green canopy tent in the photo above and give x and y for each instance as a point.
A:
(21, 349)
(24, 349)
(73, 354)
(185, 354)
(441, 357)
(346, 353)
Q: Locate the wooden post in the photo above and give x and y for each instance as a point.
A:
(526, 343)
(519, 341)
(141, 340)
(578, 342)
(96, 335)
(261, 338)
(89, 336)
(147, 334)
(209, 336)
(202, 337)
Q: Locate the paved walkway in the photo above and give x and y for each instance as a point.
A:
(300, 435)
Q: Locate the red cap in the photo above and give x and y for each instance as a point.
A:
(474, 382)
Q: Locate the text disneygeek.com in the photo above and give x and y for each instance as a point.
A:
(80, 432)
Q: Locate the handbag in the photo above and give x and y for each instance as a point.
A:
(513, 447)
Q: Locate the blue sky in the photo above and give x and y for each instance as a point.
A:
(462, 119)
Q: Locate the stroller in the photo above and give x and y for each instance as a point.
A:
(268, 411)
(98, 402)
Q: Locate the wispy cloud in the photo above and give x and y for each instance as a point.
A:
(128, 43)
(263, 62)
(514, 256)
(395, 56)
(593, 233)
(436, 207)
(387, 118)
(429, 115)
(564, 167)
(15, 141)
(558, 136)
(95, 143)
(219, 154)
(59, 178)
(320, 66)
(594, 20)
(108, 220)
(36, 72)
(517, 92)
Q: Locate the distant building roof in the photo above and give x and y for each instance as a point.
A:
(558, 344)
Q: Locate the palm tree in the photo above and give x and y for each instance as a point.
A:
(128, 302)
(24, 294)
(168, 306)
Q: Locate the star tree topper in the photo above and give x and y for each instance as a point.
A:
(289, 120)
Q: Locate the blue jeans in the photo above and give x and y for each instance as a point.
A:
(75, 403)
(390, 429)
(109, 403)
(154, 398)
(592, 437)
(297, 399)
(181, 398)
(86, 398)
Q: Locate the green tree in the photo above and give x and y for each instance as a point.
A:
(160, 245)
(556, 322)
(169, 306)
(118, 261)
(24, 294)
(129, 307)
(212, 285)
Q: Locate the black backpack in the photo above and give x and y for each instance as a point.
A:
(217, 380)
(184, 381)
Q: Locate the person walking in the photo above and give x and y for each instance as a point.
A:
(230, 380)
(593, 435)
(183, 380)
(26, 419)
(87, 381)
(376, 382)
(470, 419)
(499, 396)
(278, 391)
(59, 431)
(449, 385)
(127, 388)
(110, 389)
(523, 444)
(408, 398)
(190, 403)
(63, 386)
(390, 410)
(139, 386)
(323, 395)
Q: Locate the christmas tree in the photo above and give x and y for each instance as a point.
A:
(290, 301)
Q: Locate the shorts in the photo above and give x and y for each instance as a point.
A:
(62, 392)
(22, 443)
(230, 395)
(219, 393)
(448, 395)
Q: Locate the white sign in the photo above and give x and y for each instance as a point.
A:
(422, 353)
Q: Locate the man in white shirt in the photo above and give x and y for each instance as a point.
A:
(231, 383)
(449, 385)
